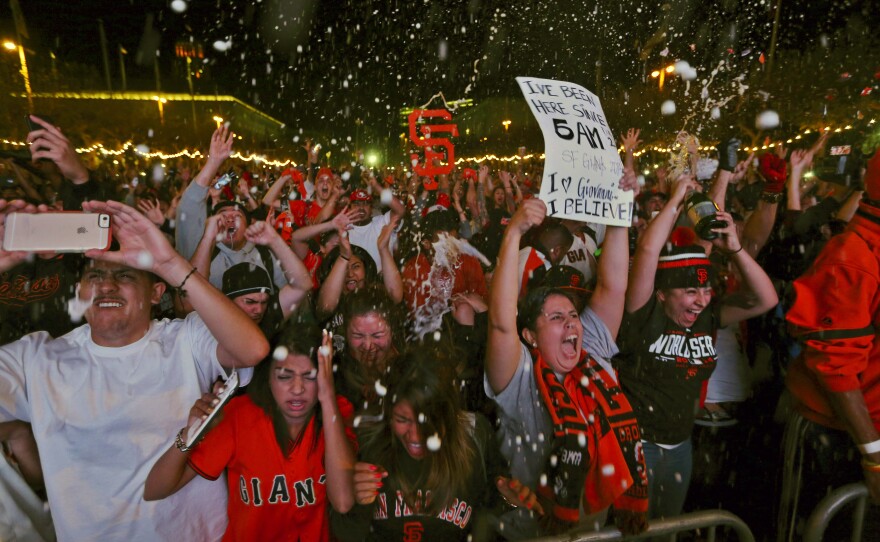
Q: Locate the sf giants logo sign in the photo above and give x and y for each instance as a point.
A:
(424, 137)
(702, 275)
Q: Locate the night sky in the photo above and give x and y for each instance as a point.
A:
(323, 65)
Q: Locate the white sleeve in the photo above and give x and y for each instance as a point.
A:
(13, 392)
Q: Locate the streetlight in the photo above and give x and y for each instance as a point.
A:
(506, 124)
(662, 74)
(160, 102)
(12, 46)
(218, 120)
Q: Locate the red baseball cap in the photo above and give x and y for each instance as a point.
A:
(360, 195)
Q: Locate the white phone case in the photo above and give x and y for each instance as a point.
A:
(199, 427)
(57, 232)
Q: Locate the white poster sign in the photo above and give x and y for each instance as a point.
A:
(582, 168)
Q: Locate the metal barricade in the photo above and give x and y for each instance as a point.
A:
(669, 527)
(831, 505)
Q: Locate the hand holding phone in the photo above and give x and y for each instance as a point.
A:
(201, 426)
(8, 257)
(56, 232)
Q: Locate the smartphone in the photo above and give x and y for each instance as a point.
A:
(199, 427)
(33, 125)
(57, 232)
(228, 178)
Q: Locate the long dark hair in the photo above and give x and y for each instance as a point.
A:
(360, 303)
(297, 341)
(426, 380)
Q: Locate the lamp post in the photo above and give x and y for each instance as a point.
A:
(160, 102)
(12, 46)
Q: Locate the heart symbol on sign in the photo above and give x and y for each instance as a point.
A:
(566, 182)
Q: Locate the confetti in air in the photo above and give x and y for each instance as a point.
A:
(77, 307)
(767, 120)
(380, 389)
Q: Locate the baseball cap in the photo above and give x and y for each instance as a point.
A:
(246, 278)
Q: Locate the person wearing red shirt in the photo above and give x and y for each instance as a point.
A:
(285, 447)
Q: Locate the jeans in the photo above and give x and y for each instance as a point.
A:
(669, 475)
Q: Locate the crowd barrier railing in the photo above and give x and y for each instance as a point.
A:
(834, 503)
(669, 527)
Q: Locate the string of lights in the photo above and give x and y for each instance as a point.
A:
(129, 146)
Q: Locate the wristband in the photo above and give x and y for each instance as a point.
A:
(772, 197)
(731, 253)
(869, 447)
(179, 289)
(180, 443)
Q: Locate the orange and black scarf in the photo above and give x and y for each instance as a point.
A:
(596, 450)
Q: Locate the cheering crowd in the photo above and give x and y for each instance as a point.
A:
(433, 358)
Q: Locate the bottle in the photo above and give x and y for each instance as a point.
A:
(701, 211)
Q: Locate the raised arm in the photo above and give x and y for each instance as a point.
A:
(143, 246)
(727, 163)
(220, 150)
(299, 282)
(275, 190)
(299, 239)
(630, 143)
(502, 349)
(644, 267)
(201, 259)
(331, 288)
(339, 457)
(390, 273)
(508, 191)
(395, 206)
(607, 300)
(756, 294)
(191, 213)
(50, 144)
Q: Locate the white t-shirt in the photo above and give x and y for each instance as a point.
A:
(366, 236)
(103, 416)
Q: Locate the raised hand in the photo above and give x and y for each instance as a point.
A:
(727, 239)
(9, 259)
(343, 220)
(800, 159)
(221, 145)
(326, 390)
(261, 233)
(151, 210)
(141, 244)
(49, 143)
(483, 173)
(631, 140)
(384, 239)
(530, 214)
(629, 181)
